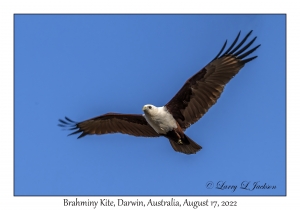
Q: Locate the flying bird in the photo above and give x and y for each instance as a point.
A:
(197, 95)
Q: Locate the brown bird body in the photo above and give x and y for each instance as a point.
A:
(193, 100)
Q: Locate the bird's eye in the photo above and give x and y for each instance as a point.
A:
(150, 107)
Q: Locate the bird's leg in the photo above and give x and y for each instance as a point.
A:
(179, 141)
(179, 138)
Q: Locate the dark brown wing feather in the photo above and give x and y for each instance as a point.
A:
(203, 89)
(131, 124)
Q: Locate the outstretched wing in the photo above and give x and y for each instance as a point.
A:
(202, 90)
(131, 124)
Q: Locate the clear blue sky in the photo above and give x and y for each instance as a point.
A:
(82, 66)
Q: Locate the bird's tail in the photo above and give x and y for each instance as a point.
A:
(187, 145)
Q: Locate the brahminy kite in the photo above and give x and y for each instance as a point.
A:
(193, 100)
